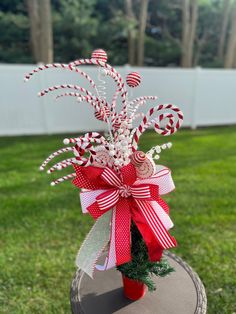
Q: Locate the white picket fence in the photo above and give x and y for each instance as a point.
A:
(206, 96)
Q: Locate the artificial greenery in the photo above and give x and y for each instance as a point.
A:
(140, 268)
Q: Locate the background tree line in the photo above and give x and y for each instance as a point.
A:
(183, 33)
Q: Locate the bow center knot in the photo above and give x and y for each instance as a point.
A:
(125, 191)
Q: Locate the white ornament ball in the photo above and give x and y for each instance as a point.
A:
(66, 141)
(121, 137)
(124, 143)
(112, 153)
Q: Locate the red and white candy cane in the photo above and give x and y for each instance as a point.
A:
(78, 160)
(88, 96)
(63, 86)
(116, 122)
(116, 94)
(60, 66)
(134, 105)
(88, 137)
(138, 99)
(53, 155)
(156, 122)
(62, 164)
(115, 75)
(102, 112)
(64, 178)
(118, 79)
(170, 127)
(81, 98)
(80, 149)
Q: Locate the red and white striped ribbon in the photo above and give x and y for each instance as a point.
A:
(157, 226)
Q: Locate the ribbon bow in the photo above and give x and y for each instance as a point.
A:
(128, 198)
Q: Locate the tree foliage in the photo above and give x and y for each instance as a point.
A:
(80, 26)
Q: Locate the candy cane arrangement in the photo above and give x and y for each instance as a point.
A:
(123, 139)
(118, 182)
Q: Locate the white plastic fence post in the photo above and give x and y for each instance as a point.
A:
(43, 81)
(197, 72)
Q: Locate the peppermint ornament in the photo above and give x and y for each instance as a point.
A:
(102, 114)
(99, 54)
(102, 157)
(146, 169)
(133, 79)
(138, 158)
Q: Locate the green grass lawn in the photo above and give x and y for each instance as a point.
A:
(42, 227)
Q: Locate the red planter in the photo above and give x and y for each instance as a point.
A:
(133, 289)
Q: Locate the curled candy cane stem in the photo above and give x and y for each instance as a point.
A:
(170, 127)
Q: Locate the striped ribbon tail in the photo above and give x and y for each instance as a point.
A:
(165, 240)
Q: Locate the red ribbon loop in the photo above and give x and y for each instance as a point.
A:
(132, 201)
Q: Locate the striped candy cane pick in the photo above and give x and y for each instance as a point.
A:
(171, 127)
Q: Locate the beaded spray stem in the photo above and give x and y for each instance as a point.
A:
(121, 146)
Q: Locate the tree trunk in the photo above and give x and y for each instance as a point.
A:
(225, 22)
(131, 31)
(46, 38)
(185, 32)
(192, 33)
(200, 42)
(141, 35)
(231, 46)
(33, 7)
(189, 25)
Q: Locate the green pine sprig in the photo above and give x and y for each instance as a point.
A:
(140, 268)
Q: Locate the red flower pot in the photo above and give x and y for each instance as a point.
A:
(133, 289)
